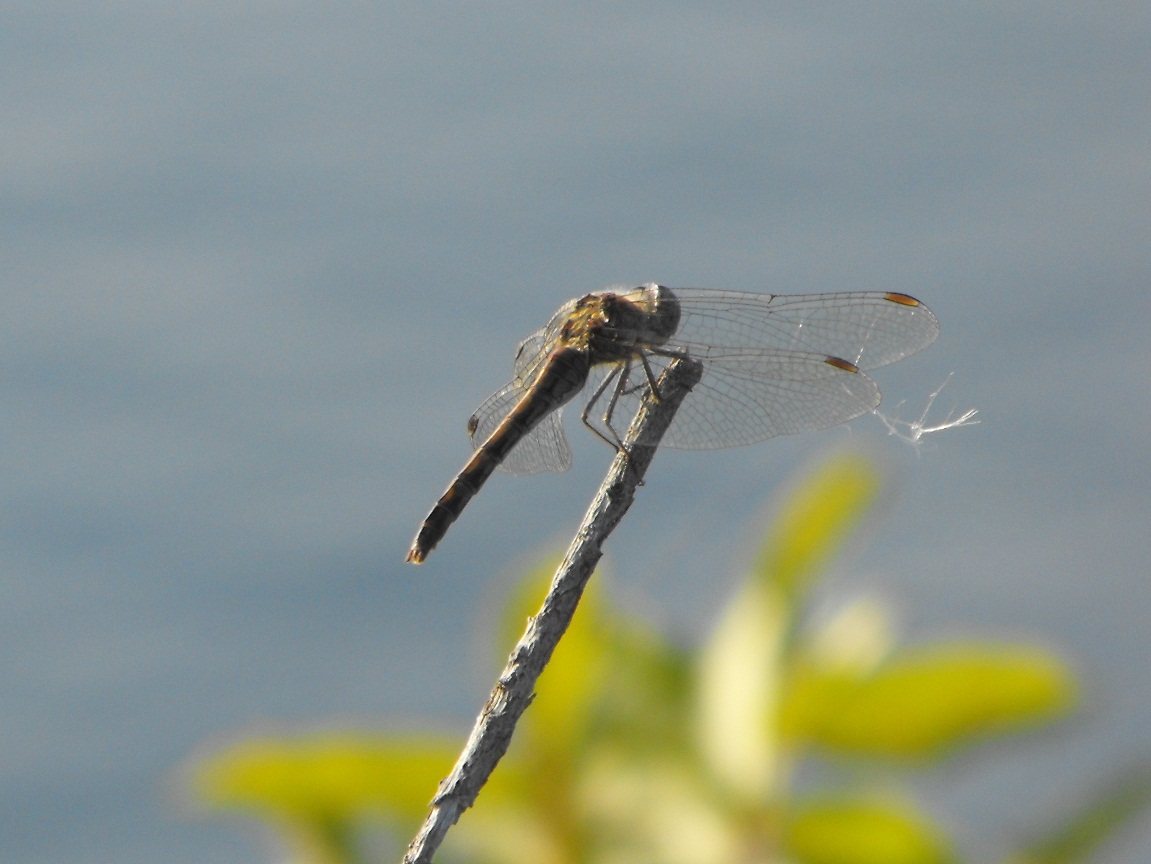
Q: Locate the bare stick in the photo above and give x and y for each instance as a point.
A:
(515, 688)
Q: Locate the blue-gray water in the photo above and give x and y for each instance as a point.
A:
(261, 260)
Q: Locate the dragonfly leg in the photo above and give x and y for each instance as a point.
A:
(622, 375)
(650, 377)
(616, 445)
(620, 389)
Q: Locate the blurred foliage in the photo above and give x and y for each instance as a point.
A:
(638, 751)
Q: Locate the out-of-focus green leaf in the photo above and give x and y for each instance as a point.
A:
(1075, 841)
(923, 702)
(816, 519)
(844, 831)
(644, 701)
(652, 808)
(323, 777)
(856, 639)
(740, 668)
(520, 833)
(737, 692)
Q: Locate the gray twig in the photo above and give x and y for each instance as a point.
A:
(514, 690)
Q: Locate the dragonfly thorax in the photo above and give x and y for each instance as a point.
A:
(617, 325)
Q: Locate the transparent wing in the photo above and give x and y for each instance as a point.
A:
(531, 354)
(545, 448)
(749, 395)
(765, 369)
(867, 328)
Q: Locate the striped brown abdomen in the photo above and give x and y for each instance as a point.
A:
(564, 374)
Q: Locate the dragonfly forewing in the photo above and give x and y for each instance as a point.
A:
(770, 361)
(868, 328)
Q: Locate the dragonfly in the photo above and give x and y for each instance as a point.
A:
(772, 365)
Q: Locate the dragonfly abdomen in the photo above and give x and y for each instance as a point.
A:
(446, 510)
(562, 376)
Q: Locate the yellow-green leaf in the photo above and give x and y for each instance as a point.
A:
(653, 810)
(924, 701)
(863, 832)
(324, 777)
(738, 690)
(816, 519)
(643, 703)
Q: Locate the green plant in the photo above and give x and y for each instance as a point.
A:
(637, 750)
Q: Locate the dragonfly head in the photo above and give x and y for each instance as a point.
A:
(661, 310)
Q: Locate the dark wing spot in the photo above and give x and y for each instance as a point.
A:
(840, 363)
(902, 299)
